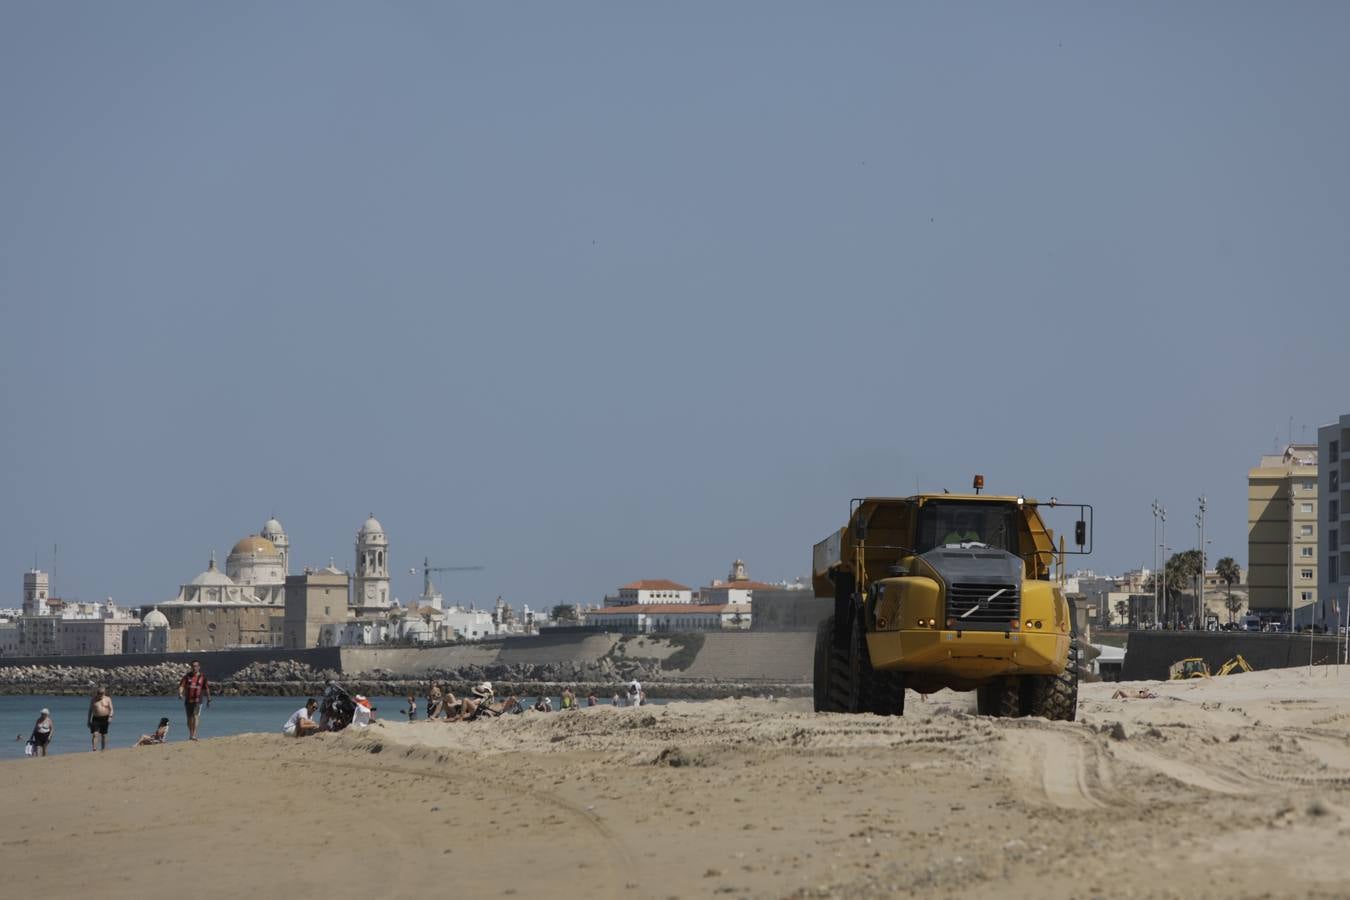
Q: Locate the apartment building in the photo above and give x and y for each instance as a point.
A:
(1333, 555)
(1282, 527)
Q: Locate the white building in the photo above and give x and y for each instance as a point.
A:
(35, 593)
(1333, 552)
(357, 633)
(469, 624)
(651, 590)
(647, 618)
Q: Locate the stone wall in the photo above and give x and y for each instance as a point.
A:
(1149, 654)
(218, 666)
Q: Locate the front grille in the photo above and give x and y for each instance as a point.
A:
(982, 605)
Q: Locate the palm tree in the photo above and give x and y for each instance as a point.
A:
(1122, 610)
(1228, 570)
(1181, 571)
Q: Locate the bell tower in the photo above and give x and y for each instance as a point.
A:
(370, 587)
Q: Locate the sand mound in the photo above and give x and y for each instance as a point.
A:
(1229, 787)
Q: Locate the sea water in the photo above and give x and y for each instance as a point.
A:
(135, 716)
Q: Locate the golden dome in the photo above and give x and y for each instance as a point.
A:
(256, 546)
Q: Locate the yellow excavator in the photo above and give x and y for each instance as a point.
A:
(1196, 667)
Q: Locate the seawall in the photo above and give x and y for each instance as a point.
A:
(1149, 654)
(772, 657)
(218, 665)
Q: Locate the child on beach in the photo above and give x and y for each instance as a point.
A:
(160, 736)
(412, 708)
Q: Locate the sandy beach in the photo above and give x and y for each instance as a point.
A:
(1231, 787)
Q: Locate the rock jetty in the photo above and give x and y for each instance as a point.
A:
(602, 677)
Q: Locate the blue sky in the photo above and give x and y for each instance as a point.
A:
(585, 293)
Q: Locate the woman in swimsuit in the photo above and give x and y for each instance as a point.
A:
(160, 736)
(42, 733)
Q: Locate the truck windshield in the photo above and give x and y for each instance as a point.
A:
(943, 522)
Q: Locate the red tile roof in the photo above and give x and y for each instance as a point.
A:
(654, 584)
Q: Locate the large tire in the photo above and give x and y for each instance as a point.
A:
(823, 697)
(1002, 699)
(859, 669)
(1056, 696)
(834, 669)
(888, 693)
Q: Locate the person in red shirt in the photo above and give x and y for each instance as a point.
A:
(194, 690)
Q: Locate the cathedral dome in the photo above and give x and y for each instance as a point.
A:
(372, 526)
(212, 576)
(155, 619)
(256, 545)
(272, 529)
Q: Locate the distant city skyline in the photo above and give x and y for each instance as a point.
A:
(589, 294)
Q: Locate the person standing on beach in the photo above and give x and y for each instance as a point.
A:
(193, 690)
(569, 700)
(42, 733)
(412, 708)
(100, 716)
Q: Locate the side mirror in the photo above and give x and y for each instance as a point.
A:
(1080, 532)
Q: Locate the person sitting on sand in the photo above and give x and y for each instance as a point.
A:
(364, 714)
(302, 721)
(469, 706)
(1144, 694)
(160, 736)
(543, 704)
(481, 708)
(591, 700)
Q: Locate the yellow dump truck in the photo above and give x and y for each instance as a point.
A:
(947, 591)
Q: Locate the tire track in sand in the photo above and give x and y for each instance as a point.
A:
(1057, 767)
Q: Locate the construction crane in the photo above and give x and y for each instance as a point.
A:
(428, 568)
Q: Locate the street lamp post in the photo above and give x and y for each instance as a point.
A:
(1156, 510)
(1200, 590)
(1168, 611)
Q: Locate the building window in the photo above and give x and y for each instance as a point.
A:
(1333, 510)
(1305, 530)
(1305, 551)
(1335, 449)
(1335, 478)
(1306, 574)
(1306, 595)
(1305, 507)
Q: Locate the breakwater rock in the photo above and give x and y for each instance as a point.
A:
(603, 678)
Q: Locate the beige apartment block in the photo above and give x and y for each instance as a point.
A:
(1282, 525)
